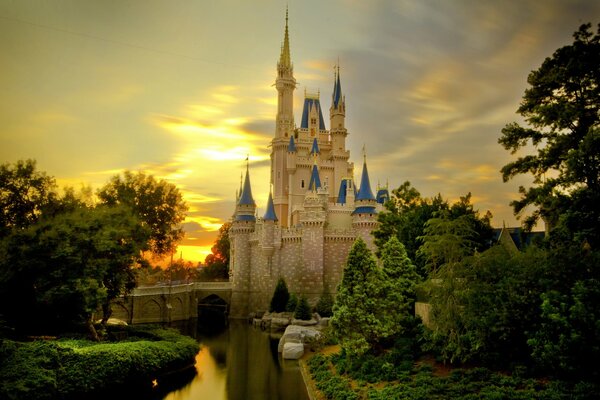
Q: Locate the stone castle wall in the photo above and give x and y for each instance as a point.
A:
(311, 260)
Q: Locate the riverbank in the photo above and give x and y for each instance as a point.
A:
(67, 368)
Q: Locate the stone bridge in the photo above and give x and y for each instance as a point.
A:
(155, 304)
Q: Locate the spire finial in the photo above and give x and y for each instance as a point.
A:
(285, 58)
(364, 151)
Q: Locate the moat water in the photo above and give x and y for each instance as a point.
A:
(239, 362)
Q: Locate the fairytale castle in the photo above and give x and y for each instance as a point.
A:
(314, 212)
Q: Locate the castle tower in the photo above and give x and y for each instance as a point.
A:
(364, 216)
(285, 83)
(338, 133)
(243, 225)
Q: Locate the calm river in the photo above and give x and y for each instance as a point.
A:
(241, 363)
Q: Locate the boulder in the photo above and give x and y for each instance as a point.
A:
(292, 351)
(302, 322)
(279, 323)
(296, 334)
(324, 321)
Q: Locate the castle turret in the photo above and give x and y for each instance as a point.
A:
(285, 84)
(269, 221)
(364, 217)
(244, 223)
(338, 132)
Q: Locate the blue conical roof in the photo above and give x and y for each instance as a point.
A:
(365, 193)
(270, 214)
(246, 196)
(342, 193)
(292, 145)
(315, 147)
(337, 90)
(315, 180)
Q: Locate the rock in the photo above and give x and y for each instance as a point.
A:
(324, 321)
(288, 337)
(295, 334)
(279, 323)
(113, 321)
(303, 322)
(292, 351)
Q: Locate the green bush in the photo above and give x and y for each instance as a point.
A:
(303, 310)
(292, 303)
(280, 298)
(325, 305)
(71, 368)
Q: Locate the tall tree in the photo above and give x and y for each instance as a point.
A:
(406, 216)
(62, 268)
(280, 298)
(562, 108)
(360, 320)
(24, 193)
(399, 269)
(216, 264)
(157, 204)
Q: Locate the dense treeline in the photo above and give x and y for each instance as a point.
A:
(65, 255)
(533, 312)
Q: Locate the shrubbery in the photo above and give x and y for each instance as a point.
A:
(67, 368)
(280, 298)
(303, 310)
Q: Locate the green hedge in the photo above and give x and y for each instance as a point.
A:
(419, 382)
(63, 369)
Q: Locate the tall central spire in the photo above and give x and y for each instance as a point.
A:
(285, 60)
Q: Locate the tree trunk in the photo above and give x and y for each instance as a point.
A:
(93, 334)
(106, 312)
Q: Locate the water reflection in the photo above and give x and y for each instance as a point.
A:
(241, 363)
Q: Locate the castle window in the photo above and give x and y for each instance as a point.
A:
(302, 184)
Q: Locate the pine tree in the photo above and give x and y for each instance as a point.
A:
(292, 303)
(359, 321)
(280, 298)
(399, 269)
(325, 305)
(303, 310)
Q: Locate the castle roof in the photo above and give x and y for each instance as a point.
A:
(364, 192)
(315, 180)
(292, 145)
(310, 102)
(337, 89)
(364, 210)
(315, 147)
(270, 214)
(382, 196)
(246, 196)
(285, 59)
(342, 193)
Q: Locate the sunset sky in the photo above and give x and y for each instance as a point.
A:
(183, 90)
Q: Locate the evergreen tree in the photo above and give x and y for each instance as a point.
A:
(325, 305)
(399, 269)
(359, 321)
(280, 298)
(292, 303)
(562, 111)
(303, 310)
